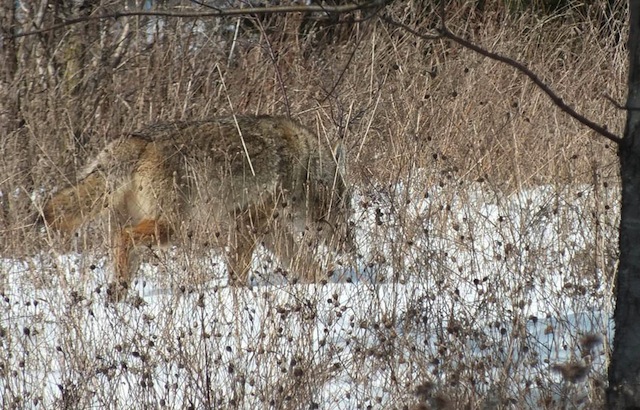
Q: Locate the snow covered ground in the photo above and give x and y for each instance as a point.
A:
(475, 295)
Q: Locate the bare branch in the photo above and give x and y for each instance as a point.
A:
(557, 100)
(217, 13)
(618, 105)
(276, 68)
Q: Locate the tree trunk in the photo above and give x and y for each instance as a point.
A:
(14, 204)
(624, 371)
(74, 60)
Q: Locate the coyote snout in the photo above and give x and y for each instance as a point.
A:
(245, 181)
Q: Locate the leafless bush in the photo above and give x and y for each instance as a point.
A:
(479, 205)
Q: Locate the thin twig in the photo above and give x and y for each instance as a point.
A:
(618, 105)
(276, 68)
(235, 120)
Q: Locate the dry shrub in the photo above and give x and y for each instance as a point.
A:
(422, 121)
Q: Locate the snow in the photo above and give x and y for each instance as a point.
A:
(470, 285)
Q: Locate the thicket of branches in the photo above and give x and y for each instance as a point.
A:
(68, 91)
(418, 113)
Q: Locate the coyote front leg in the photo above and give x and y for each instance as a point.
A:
(148, 232)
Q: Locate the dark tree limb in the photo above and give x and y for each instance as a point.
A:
(218, 12)
(443, 32)
(623, 391)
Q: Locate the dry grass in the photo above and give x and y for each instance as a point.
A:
(420, 120)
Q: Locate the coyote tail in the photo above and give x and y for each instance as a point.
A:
(113, 166)
(71, 206)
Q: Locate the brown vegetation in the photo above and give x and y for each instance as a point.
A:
(416, 117)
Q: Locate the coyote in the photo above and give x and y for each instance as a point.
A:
(247, 180)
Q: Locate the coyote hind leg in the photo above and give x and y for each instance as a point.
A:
(249, 225)
(239, 259)
(148, 232)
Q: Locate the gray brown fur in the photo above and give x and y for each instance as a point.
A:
(248, 180)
